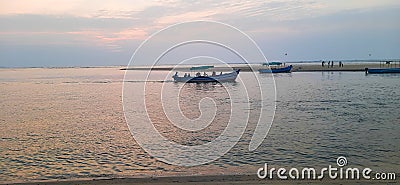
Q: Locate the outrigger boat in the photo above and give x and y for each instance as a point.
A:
(276, 68)
(198, 77)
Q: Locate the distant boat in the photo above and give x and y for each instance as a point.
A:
(198, 78)
(276, 69)
(382, 70)
(386, 67)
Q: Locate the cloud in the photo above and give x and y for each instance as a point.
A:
(115, 25)
(76, 8)
(68, 30)
(112, 40)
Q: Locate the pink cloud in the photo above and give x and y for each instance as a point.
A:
(112, 39)
(101, 38)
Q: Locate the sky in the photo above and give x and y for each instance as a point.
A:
(55, 33)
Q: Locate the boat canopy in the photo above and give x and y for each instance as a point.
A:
(201, 68)
(272, 63)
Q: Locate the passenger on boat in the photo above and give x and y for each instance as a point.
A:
(213, 73)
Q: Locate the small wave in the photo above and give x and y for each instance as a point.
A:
(141, 81)
(101, 82)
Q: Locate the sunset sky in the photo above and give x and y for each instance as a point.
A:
(35, 33)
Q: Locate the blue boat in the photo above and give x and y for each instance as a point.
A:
(277, 70)
(382, 70)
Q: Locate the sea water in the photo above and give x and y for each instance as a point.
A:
(65, 123)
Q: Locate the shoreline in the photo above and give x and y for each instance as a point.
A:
(296, 67)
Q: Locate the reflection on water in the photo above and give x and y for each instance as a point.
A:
(190, 95)
(69, 123)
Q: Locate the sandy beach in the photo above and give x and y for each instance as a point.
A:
(346, 67)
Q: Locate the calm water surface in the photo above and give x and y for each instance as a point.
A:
(69, 123)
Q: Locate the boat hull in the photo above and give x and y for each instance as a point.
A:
(228, 77)
(383, 70)
(277, 70)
